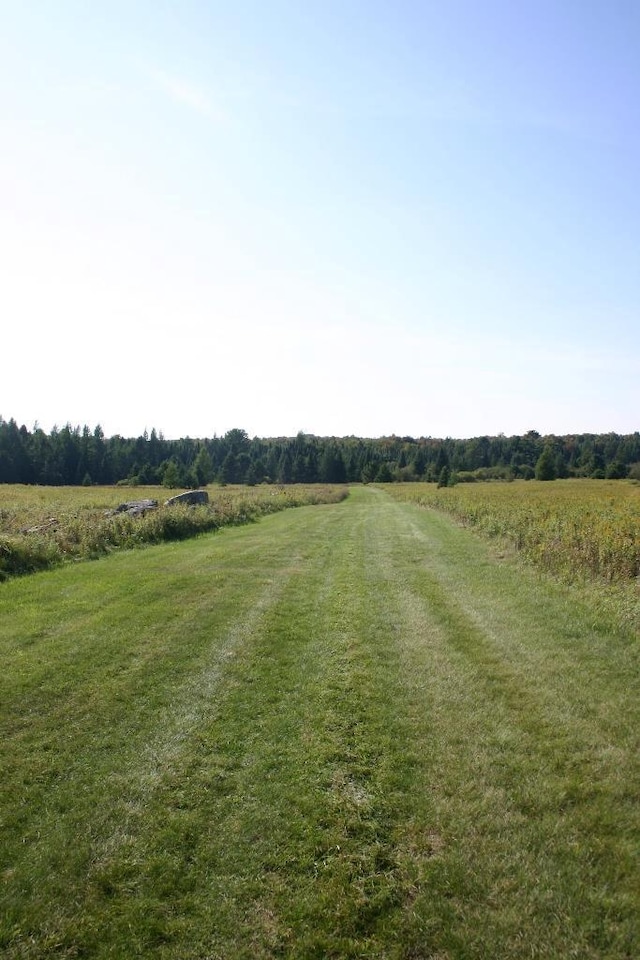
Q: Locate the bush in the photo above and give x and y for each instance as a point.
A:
(18, 556)
(617, 471)
(88, 534)
(466, 476)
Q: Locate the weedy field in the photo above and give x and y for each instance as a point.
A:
(582, 531)
(349, 730)
(43, 526)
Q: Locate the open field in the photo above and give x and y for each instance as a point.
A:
(582, 531)
(350, 730)
(573, 528)
(44, 526)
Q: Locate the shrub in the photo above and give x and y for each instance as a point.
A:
(616, 471)
(88, 533)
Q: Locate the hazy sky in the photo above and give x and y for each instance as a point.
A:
(335, 216)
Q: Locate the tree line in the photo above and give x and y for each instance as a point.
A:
(81, 455)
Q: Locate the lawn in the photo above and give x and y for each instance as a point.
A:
(348, 730)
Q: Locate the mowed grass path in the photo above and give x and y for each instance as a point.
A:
(346, 731)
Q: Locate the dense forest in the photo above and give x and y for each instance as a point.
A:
(80, 455)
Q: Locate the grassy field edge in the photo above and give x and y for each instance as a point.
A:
(86, 526)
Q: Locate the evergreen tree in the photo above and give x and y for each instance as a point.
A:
(546, 465)
(203, 468)
(284, 473)
(384, 474)
(332, 468)
(369, 470)
(171, 475)
(229, 468)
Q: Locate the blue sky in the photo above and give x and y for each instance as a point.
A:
(339, 217)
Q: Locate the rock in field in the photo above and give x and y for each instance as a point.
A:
(191, 497)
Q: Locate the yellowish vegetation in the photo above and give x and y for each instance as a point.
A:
(575, 529)
(42, 526)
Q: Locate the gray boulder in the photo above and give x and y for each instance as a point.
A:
(192, 498)
(135, 508)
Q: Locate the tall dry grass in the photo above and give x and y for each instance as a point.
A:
(571, 528)
(43, 526)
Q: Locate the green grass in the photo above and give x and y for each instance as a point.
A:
(575, 529)
(347, 731)
(41, 527)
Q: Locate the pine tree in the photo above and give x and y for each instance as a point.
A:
(546, 465)
(203, 468)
